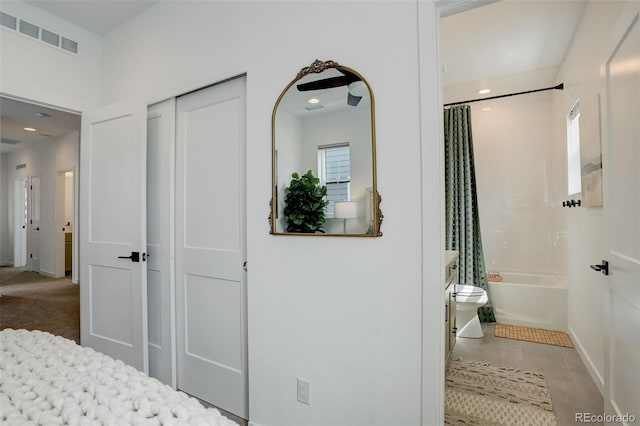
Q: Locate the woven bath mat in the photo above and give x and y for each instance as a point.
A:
(494, 277)
(477, 394)
(536, 335)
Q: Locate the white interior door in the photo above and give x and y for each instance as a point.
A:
(21, 221)
(622, 206)
(113, 285)
(210, 246)
(34, 224)
(160, 240)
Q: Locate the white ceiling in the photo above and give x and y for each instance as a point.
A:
(97, 16)
(17, 115)
(507, 44)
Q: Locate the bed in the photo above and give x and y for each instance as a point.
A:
(48, 380)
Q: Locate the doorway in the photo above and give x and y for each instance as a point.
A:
(64, 213)
(38, 141)
(20, 222)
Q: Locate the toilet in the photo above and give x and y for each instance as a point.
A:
(468, 299)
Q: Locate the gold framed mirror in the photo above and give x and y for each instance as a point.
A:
(324, 155)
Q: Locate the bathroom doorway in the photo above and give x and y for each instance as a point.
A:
(65, 213)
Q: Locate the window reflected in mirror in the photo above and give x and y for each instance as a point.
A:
(323, 123)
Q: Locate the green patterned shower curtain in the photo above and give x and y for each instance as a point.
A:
(463, 223)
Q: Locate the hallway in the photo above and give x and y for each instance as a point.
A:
(34, 302)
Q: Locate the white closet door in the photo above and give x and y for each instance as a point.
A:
(210, 246)
(160, 241)
(113, 270)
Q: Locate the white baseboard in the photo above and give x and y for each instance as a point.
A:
(48, 274)
(586, 359)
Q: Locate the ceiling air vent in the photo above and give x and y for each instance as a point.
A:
(10, 141)
(49, 37)
(70, 45)
(8, 21)
(29, 29)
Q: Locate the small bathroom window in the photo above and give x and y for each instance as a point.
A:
(574, 184)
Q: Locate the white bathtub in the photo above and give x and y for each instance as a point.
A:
(530, 300)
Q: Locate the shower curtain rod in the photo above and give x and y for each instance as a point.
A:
(558, 87)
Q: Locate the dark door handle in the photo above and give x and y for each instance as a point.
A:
(135, 256)
(603, 267)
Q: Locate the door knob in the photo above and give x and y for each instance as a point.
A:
(603, 267)
(135, 256)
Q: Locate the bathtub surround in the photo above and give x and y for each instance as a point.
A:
(521, 184)
(462, 218)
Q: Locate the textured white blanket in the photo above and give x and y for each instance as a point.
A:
(49, 380)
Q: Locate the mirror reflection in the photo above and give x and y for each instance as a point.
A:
(324, 180)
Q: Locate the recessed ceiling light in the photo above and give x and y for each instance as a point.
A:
(314, 101)
(30, 129)
(484, 91)
(486, 109)
(41, 114)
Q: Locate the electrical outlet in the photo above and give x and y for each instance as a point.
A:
(304, 388)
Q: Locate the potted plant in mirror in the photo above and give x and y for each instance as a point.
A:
(305, 204)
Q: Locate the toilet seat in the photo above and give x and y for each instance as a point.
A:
(471, 294)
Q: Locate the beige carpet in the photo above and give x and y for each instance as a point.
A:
(34, 302)
(477, 394)
(536, 335)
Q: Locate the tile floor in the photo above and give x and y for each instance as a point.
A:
(571, 387)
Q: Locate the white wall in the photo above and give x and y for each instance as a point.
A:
(357, 336)
(33, 70)
(45, 159)
(520, 183)
(289, 149)
(6, 246)
(586, 226)
(68, 200)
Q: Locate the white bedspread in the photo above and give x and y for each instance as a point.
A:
(48, 380)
